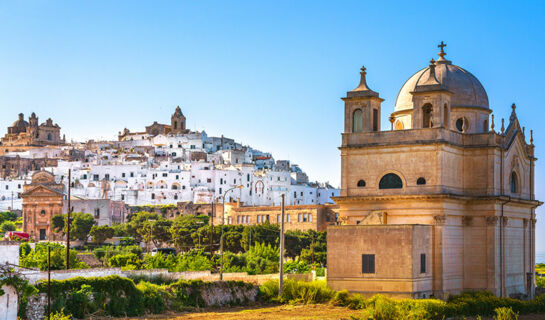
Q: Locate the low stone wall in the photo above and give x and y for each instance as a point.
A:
(34, 276)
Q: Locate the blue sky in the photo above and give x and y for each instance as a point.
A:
(269, 74)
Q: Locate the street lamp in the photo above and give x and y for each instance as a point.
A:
(222, 222)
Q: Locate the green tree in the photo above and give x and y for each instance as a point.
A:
(8, 215)
(57, 223)
(157, 231)
(183, 229)
(101, 233)
(8, 226)
(261, 233)
(135, 226)
(81, 225)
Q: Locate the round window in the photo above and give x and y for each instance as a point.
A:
(461, 124)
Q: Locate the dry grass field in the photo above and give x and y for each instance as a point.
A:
(283, 312)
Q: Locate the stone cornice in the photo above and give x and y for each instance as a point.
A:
(434, 196)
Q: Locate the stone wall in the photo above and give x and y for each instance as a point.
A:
(35, 276)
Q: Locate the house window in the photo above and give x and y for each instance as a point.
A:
(423, 263)
(310, 217)
(357, 121)
(132, 174)
(220, 190)
(361, 183)
(514, 182)
(123, 175)
(208, 180)
(97, 213)
(288, 218)
(368, 263)
(421, 181)
(42, 212)
(390, 181)
(153, 196)
(122, 197)
(299, 218)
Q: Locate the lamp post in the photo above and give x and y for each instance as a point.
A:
(221, 228)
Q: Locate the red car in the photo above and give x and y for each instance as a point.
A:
(17, 236)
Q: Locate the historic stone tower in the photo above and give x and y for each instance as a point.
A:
(440, 204)
(177, 122)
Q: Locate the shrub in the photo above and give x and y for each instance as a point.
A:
(8, 226)
(505, 313)
(129, 261)
(297, 292)
(154, 297)
(111, 295)
(60, 316)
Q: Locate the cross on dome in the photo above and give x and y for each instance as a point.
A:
(442, 53)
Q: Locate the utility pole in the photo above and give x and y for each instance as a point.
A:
(48, 281)
(222, 223)
(212, 231)
(68, 222)
(281, 278)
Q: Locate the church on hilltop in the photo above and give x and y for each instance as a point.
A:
(177, 126)
(23, 135)
(440, 204)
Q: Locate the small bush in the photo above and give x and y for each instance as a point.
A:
(505, 313)
(297, 292)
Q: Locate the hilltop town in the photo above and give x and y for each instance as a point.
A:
(165, 164)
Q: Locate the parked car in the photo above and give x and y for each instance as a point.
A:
(165, 251)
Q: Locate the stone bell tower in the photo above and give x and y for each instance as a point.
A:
(362, 108)
(177, 122)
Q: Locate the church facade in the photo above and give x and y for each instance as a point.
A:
(23, 135)
(440, 204)
(42, 199)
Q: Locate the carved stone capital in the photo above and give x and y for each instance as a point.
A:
(491, 221)
(533, 222)
(440, 220)
(466, 220)
(504, 221)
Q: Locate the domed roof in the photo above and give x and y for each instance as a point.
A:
(466, 89)
(20, 123)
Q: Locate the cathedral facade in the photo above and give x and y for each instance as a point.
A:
(440, 204)
(26, 134)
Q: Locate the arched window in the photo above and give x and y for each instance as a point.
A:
(390, 181)
(445, 116)
(514, 182)
(421, 181)
(485, 126)
(357, 121)
(49, 137)
(426, 116)
(174, 187)
(42, 212)
(361, 183)
(175, 125)
(398, 125)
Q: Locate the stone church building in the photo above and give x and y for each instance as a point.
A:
(441, 203)
(42, 199)
(23, 135)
